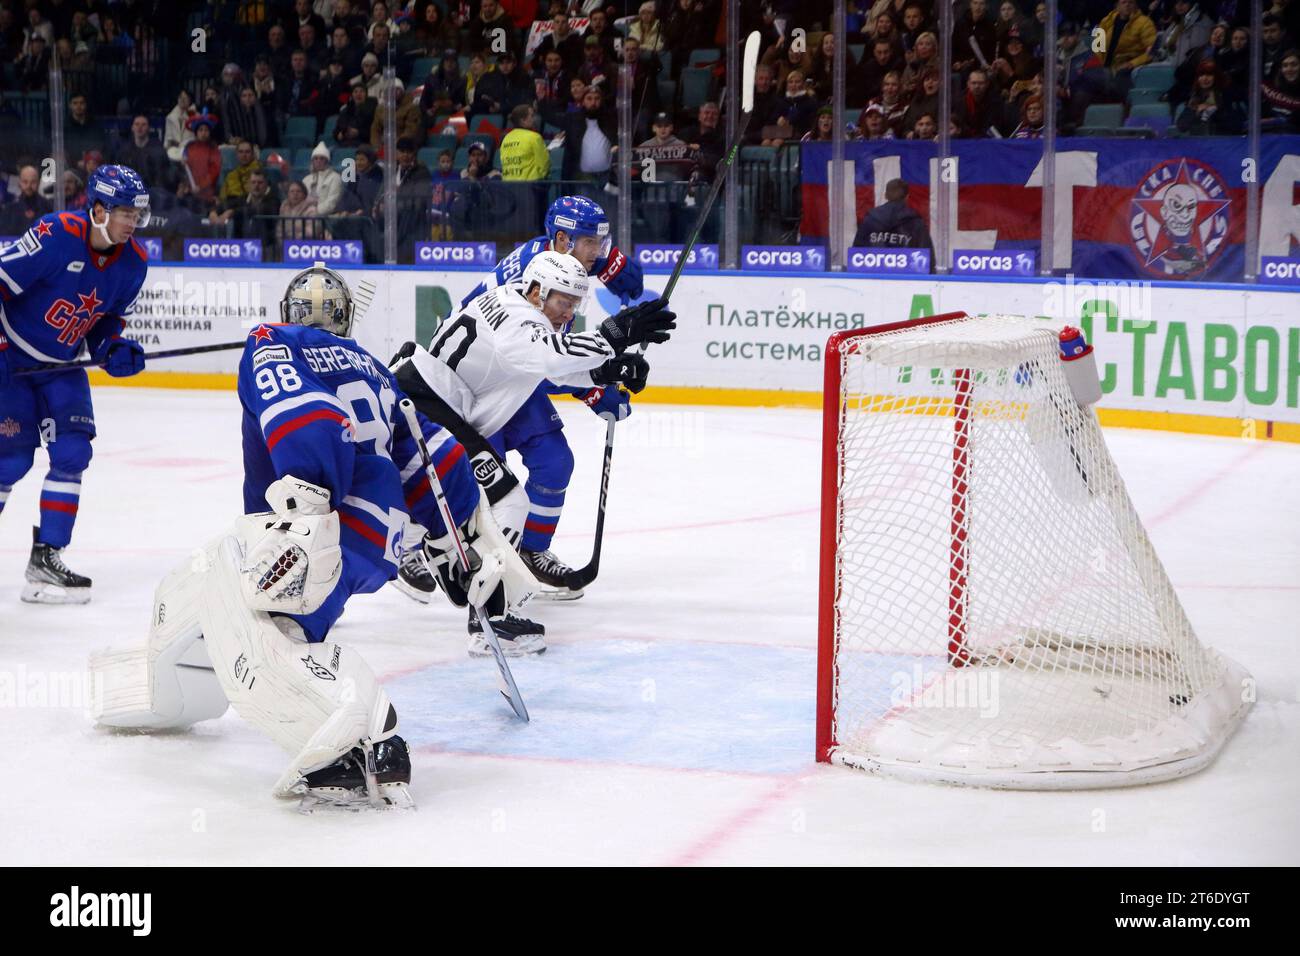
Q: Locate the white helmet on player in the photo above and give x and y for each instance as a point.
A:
(556, 272)
(318, 297)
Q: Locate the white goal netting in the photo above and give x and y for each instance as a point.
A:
(998, 616)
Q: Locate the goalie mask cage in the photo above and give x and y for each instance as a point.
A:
(992, 612)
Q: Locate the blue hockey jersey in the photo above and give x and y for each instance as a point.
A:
(322, 408)
(56, 292)
(510, 269)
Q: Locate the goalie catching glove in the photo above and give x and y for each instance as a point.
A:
(644, 324)
(295, 565)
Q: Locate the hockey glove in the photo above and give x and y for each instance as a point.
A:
(621, 275)
(120, 357)
(612, 404)
(629, 370)
(644, 324)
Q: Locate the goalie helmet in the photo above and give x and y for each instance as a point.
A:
(556, 272)
(318, 297)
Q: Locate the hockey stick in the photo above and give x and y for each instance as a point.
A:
(505, 680)
(581, 577)
(364, 295)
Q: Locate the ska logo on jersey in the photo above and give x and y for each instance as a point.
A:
(1180, 218)
(74, 321)
(261, 333)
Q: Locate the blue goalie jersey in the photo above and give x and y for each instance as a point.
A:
(58, 293)
(321, 408)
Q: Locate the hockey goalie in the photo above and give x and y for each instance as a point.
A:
(246, 621)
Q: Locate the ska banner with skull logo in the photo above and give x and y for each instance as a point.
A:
(1170, 209)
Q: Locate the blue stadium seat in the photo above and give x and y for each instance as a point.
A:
(300, 131)
(703, 57)
(340, 153)
(695, 87)
(1154, 76)
(1104, 115)
(327, 134)
(422, 68)
(1137, 96)
(443, 141)
(557, 163)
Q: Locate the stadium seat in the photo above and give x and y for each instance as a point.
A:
(557, 164)
(1154, 76)
(1137, 96)
(327, 134)
(302, 156)
(462, 158)
(1151, 115)
(340, 153)
(422, 68)
(666, 61)
(227, 158)
(428, 156)
(758, 154)
(443, 141)
(1104, 116)
(695, 87)
(667, 89)
(703, 57)
(856, 50)
(300, 131)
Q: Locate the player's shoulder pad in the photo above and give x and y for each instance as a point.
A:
(268, 343)
(55, 230)
(139, 250)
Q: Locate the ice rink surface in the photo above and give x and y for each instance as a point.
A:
(673, 713)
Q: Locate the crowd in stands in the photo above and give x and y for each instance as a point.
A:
(275, 122)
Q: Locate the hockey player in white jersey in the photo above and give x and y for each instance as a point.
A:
(487, 361)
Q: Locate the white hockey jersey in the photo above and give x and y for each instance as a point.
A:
(488, 360)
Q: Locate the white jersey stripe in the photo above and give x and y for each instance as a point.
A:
(545, 512)
(62, 487)
(371, 509)
(289, 404)
(8, 280)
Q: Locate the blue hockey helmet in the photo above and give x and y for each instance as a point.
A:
(114, 186)
(578, 216)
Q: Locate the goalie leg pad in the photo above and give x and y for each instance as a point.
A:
(317, 701)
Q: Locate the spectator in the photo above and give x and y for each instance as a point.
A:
(978, 113)
(444, 89)
(643, 86)
(894, 224)
(176, 131)
(446, 170)
(595, 69)
(871, 75)
(1211, 108)
(577, 90)
(1185, 70)
(409, 120)
(1275, 44)
(143, 153)
(550, 87)
(1190, 31)
(37, 26)
(823, 130)
(504, 88)
(477, 70)
(478, 165)
(1016, 71)
(974, 38)
(297, 214)
(564, 39)
(235, 186)
(16, 217)
(202, 159)
(706, 140)
(74, 190)
(310, 42)
(335, 87)
(823, 66)
(915, 23)
(646, 29)
(247, 121)
(356, 118)
(872, 125)
(926, 127)
(765, 104)
(264, 85)
(232, 81)
(887, 29)
(379, 18)
(925, 100)
(386, 52)
(1031, 119)
(923, 56)
(795, 58)
(276, 51)
(689, 25)
(33, 66)
(435, 32)
(796, 111)
(81, 130)
(598, 27)
(491, 31)
(524, 156)
(1012, 23)
(667, 169)
(304, 15)
(1234, 61)
(300, 90)
(1282, 95)
(589, 138)
(341, 46)
(1130, 36)
(360, 197)
(324, 184)
(891, 101)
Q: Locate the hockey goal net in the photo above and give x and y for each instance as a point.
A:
(992, 612)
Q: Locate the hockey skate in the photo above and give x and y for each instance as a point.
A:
(518, 636)
(553, 574)
(413, 577)
(345, 785)
(49, 580)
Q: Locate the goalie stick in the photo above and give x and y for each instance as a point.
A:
(363, 296)
(581, 577)
(505, 679)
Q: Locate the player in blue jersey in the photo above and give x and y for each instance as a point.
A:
(579, 227)
(68, 284)
(330, 455)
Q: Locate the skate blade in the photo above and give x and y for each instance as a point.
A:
(43, 593)
(415, 594)
(395, 796)
(479, 647)
(545, 593)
